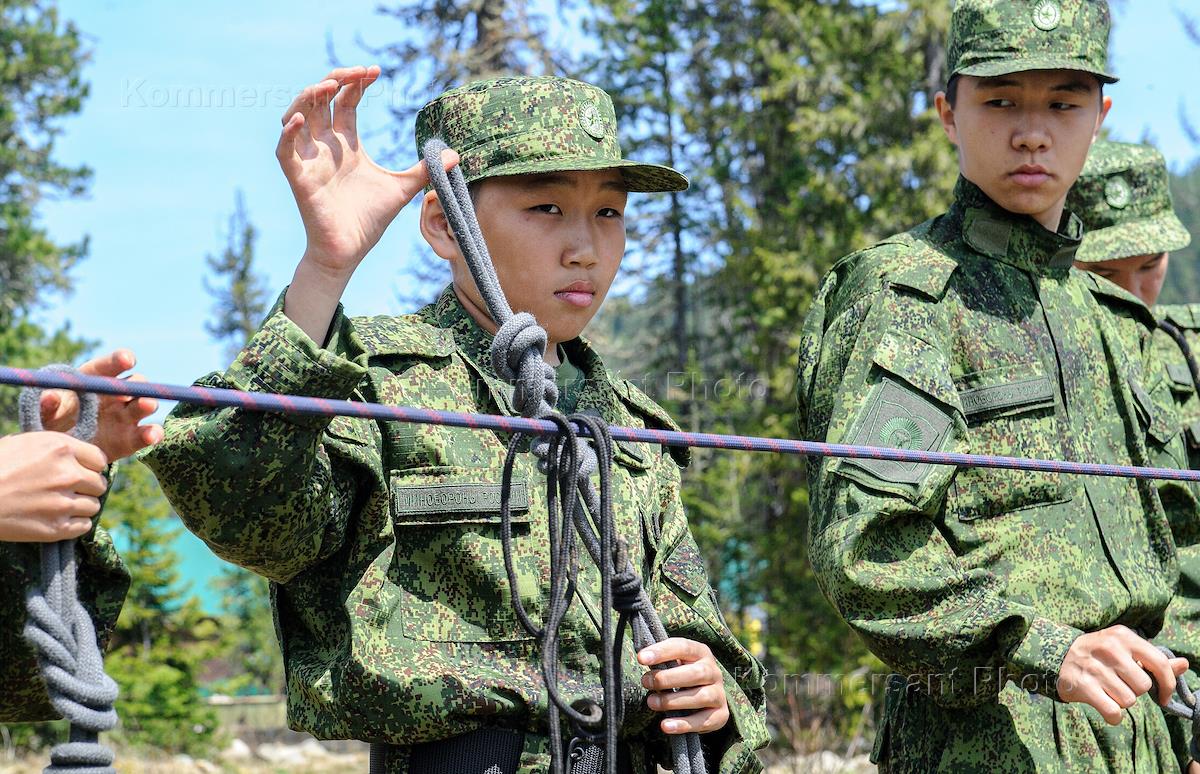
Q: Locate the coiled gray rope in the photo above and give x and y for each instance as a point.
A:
(518, 356)
(61, 631)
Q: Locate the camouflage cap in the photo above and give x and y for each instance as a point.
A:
(1124, 200)
(524, 125)
(998, 37)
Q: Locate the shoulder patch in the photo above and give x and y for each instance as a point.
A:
(402, 335)
(1112, 295)
(899, 418)
(654, 415)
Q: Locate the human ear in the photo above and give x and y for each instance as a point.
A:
(436, 228)
(1106, 104)
(946, 114)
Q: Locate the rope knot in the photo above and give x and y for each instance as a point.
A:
(518, 356)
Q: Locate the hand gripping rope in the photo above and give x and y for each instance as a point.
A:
(568, 461)
(61, 631)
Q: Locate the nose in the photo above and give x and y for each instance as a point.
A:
(1031, 135)
(580, 248)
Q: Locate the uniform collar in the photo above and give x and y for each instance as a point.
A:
(1018, 240)
(474, 344)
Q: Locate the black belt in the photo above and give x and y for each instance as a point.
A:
(487, 751)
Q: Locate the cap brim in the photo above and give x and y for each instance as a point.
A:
(1026, 64)
(1162, 233)
(639, 178)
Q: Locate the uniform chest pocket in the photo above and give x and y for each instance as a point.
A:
(449, 556)
(1010, 411)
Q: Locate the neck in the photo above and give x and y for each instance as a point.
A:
(1051, 218)
(484, 320)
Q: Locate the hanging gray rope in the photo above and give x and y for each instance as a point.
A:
(61, 631)
(518, 356)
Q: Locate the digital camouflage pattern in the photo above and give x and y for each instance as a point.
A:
(382, 539)
(523, 125)
(1123, 197)
(974, 333)
(103, 581)
(1181, 630)
(998, 37)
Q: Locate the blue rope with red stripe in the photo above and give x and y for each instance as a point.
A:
(293, 404)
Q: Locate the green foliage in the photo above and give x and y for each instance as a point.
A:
(41, 60)
(1183, 276)
(161, 637)
(240, 299)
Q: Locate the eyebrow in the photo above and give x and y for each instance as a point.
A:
(1073, 86)
(551, 179)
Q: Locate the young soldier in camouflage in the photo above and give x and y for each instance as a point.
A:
(1009, 604)
(1124, 200)
(382, 539)
(52, 487)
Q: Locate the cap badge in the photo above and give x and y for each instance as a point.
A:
(1047, 15)
(590, 120)
(1117, 193)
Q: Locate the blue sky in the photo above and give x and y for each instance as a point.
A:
(185, 107)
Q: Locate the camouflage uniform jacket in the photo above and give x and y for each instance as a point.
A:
(382, 539)
(103, 581)
(1181, 630)
(972, 333)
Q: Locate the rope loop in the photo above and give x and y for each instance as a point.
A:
(62, 633)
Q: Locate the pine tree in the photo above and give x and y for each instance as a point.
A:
(161, 638)
(41, 83)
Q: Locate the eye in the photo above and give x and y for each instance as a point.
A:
(1062, 106)
(1000, 102)
(609, 212)
(549, 209)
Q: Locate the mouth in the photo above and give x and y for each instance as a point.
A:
(1030, 175)
(578, 294)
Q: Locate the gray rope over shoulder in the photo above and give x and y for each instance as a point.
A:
(518, 356)
(61, 631)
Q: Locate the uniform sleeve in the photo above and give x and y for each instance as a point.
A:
(103, 581)
(688, 606)
(882, 378)
(272, 492)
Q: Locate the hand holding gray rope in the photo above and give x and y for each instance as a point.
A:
(62, 633)
(518, 355)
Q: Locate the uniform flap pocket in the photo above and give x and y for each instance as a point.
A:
(1008, 390)
(917, 362)
(1193, 435)
(438, 499)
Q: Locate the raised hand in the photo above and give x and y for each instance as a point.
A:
(346, 200)
(119, 432)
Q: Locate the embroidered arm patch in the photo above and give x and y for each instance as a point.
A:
(897, 417)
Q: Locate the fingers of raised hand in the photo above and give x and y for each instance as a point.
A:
(354, 82)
